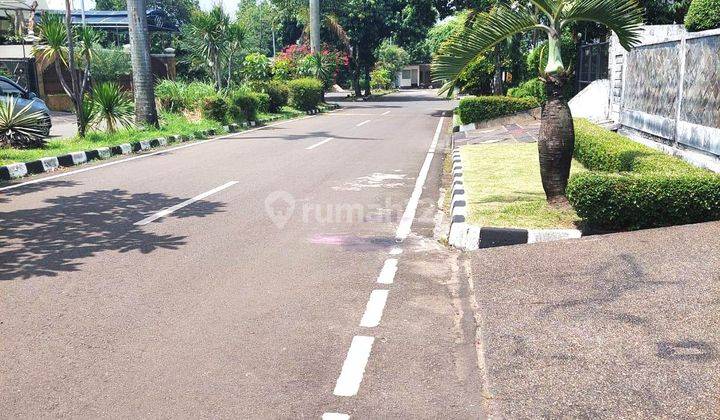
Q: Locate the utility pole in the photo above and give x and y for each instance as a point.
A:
(314, 25)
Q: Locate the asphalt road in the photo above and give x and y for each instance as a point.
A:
(244, 302)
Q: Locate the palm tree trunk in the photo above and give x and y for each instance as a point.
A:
(314, 25)
(497, 77)
(143, 90)
(76, 94)
(368, 92)
(556, 142)
(356, 72)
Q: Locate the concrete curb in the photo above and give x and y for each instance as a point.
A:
(470, 237)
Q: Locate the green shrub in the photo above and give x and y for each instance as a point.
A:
(277, 92)
(635, 201)
(243, 105)
(603, 150)
(263, 101)
(113, 106)
(216, 108)
(480, 108)
(632, 186)
(534, 88)
(381, 78)
(702, 15)
(305, 93)
(195, 93)
(170, 94)
(109, 65)
(20, 126)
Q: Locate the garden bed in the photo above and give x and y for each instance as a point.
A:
(503, 188)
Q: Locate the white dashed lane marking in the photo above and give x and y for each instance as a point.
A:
(363, 123)
(176, 207)
(319, 143)
(335, 416)
(353, 369)
(387, 274)
(374, 310)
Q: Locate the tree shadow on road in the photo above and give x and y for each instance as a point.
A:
(58, 235)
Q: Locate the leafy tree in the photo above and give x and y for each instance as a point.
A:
(391, 57)
(178, 11)
(256, 67)
(557, 138)
(411, 26)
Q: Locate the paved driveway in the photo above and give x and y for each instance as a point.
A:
(616, 326)
(64, 124)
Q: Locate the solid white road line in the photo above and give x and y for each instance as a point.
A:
(363, 123)
(115, 162)
(319, 144)
(353, 369)
(387, 274)
(170, 210)
(374, 309)
(385, 113)
(335, 416)
(406, 221)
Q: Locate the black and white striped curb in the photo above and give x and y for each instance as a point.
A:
(49, 164)
(470, 237)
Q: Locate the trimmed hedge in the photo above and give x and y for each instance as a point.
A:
(480, 108)
(632, 186)
(216, 108)
(702, 15)
(599, 149)
(534, 88)
(305, 93)
(278, 93)
(243, 105)
(263, 101)
(636, 201)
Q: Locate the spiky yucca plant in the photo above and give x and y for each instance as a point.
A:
(112, 106)
(21, 127)
(557, 138)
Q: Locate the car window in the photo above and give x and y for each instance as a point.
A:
(9, 89)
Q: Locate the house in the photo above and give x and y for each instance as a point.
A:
(414, 75)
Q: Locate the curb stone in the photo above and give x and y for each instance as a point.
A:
(121, 149)
(51, 163)
(471, 237)
(100, 153)
(42, 165)
(72, 159)
(12, 171)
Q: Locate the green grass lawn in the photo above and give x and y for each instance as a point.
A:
(170, 124)
(502, 183)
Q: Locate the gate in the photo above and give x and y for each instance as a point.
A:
(592, 63)
(21, 70)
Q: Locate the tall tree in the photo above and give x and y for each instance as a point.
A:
(557, 137)
(143, 89)
(314, 25)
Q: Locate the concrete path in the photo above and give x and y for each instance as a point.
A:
(615, 326)
(248, 277)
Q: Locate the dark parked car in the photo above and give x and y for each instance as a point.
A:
(8, 87)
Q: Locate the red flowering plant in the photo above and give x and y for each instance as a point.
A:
(297, 60)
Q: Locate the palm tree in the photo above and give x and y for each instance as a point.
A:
(208, 33)
(143, 89)
(557, 137)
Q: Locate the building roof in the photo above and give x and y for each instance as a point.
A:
(158, 20)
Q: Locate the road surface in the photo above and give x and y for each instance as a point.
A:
(252, 276)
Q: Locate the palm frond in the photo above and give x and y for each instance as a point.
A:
(487, 30)
(624, 17)
(333, 23)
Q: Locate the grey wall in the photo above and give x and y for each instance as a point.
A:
(669, 87)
